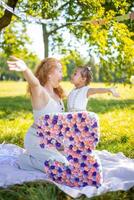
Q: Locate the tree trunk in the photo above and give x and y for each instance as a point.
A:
(45, 40)
(6, 18)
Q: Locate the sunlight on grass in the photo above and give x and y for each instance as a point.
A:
(11, 88)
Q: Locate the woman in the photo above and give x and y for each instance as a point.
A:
(46, 97)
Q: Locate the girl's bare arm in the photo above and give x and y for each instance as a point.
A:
(92, 91)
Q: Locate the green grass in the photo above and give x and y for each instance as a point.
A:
(116, 126)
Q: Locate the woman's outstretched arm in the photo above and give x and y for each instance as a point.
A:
(19, 65)
(92, 91)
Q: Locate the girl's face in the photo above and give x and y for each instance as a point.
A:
(56, 75)
(77, 78)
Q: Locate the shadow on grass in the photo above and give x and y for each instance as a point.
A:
(44, 191)
(9, 105)
(106, 105)
(33, 191)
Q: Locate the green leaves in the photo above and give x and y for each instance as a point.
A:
(111, 41)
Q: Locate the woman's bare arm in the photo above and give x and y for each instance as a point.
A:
(19, 65)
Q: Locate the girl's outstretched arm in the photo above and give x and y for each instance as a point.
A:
(92, 91)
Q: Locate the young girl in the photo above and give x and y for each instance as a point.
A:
(78, 97)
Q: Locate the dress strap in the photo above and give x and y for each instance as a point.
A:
(50, 97)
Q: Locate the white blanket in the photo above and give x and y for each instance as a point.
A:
(118, 172)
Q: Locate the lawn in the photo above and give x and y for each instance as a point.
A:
(116, 125)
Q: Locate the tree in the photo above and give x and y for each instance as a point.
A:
(70, 10)
(111, 41)
(101, 37)
(14, 41)
(5, 20)
(70, 61)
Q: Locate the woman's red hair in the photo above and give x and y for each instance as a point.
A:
(43, 70)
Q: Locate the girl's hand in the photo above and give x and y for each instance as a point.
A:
(16, 64)
(114, 92)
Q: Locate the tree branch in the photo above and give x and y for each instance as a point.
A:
(62, 26)
(6, 18)
(131, 15)
(59, 27)
(62, 6)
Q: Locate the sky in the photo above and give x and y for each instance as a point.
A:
(34, 31)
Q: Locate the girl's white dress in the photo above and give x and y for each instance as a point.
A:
(19, 165)
(77, 99)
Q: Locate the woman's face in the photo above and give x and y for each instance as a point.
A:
(56, 75)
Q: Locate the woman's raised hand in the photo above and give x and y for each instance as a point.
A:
(114, 92)
(16, 64)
